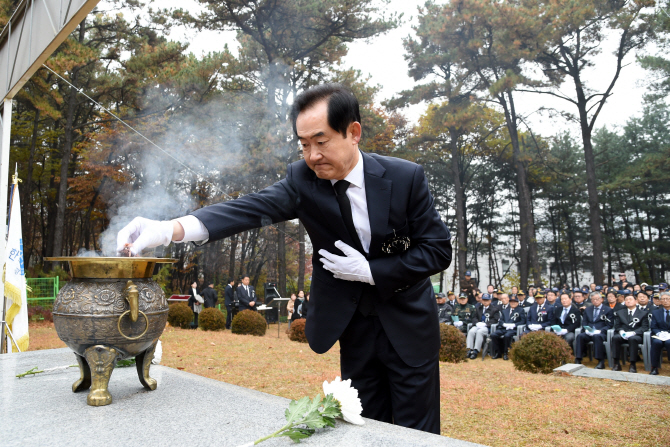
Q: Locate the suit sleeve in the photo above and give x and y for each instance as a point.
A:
(644, 327)
(430, 249)
(242, 296)
(276, 203)
(655, 328)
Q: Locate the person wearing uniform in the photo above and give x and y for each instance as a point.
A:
(511, 317)
(630, 324)
(523, 302)
(540, 315)
(443, 309)
(485, 316)
(464, 311)
(451, 299)
(600, 318)
(468, 285)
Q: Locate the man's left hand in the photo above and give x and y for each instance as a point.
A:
(351, 267)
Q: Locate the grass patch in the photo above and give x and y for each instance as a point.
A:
(484, 402)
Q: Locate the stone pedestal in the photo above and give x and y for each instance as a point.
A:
(185, 410)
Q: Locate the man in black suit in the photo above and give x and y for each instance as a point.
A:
(629, 326)
(660, 327)
(600, 318)
(228, 301)
(247, 295)
(568, 317)
(379, 238)
(210, 296)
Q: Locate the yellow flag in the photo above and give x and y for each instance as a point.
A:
(15, 278)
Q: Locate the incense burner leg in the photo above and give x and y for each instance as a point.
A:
(84, 381)
(143, 363)
(101, 361)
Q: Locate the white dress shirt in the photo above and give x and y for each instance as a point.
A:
(195, 230)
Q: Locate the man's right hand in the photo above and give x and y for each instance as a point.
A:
(144, 233)
(252, 303)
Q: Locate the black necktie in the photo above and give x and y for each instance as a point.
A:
(365, 306)
(341, 187)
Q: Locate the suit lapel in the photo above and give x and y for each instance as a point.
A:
(378, 197)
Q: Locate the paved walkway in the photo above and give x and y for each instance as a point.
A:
(575, 369)
(185, 410)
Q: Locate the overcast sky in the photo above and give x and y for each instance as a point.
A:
(383, 59)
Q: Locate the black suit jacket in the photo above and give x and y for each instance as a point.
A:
(229, 295)
(513, 315)
(245, 298)
(490, 316)
(639, 323)
(572, 320)
(545, 317)
(210, 296)
(605, 318)
(399, 205)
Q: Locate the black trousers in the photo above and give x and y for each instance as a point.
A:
(657, 350)
(503, 339)
(194, 325)
(229, 315)
(598, 340)
(633, 343)
(389, 389)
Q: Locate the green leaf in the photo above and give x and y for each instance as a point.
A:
(331, 407)
(296, 434)
(296, 409)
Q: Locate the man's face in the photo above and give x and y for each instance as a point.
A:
(539, 300)
(620, 298)
(467, 278)
(504, 298)
(578, 297)
(441, 300)
(643, 299)
(513, 304)
(489, 289)
(565, 300)
(462, 300)
(597, 300)
(593, 287)
(301, 294)
(245, 280)
(649, 293)
(665, 302)
(194, 285)
(630, 302)
(551, 297)
(486, 303)
(622, 278)
(330, 155)
(515, 290)
(636, 288)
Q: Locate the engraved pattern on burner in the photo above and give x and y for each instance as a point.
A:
(105, 297)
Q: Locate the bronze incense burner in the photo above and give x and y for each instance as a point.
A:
(111, 310)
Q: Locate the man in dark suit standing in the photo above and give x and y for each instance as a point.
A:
(247, 295)
(210, 296)
(373, 223)
(629, 326)
(228, 301)
(660, 328)
(600, 318)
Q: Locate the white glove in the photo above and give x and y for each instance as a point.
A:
(630, 334)
(351, 267)
(458, 323)
(562, 332)
(144, 233)
(623, 334)
(596, 331)
(509, 325)
(481, 324)
(535, 327)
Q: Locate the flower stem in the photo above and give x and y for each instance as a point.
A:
(285, 427)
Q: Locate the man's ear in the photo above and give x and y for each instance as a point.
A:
(356, 131)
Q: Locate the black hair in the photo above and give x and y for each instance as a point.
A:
(230, 280)
(342, 106)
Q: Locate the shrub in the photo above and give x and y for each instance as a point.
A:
(249, 322)
(540, 352)
(297, 331)
(39, 313)
(452, 344)
(211, 319)
(180, 315)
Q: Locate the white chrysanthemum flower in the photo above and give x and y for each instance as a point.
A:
(347, 396)
(158, 354)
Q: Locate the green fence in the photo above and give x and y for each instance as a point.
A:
(42, 291)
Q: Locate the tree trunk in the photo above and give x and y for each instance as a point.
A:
(65, 156)
(231, 259)
(281, 258)
(301, 256)
(462, 251)
(27, 210)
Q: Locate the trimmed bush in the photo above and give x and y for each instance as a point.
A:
(211, 319)
(249, 322)
(452, 344)
(540, 352)
(180, 315)
(297, 331)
